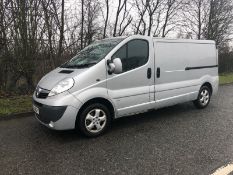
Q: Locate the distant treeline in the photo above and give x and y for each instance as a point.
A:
(225, 62)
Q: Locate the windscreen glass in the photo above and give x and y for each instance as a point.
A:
(93, 53)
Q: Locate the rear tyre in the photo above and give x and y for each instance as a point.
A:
(203, 98)
(94, 120)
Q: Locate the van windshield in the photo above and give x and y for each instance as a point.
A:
(92, 54)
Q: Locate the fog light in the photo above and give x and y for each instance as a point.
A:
(51, 124)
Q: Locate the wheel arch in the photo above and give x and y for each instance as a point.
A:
(100, 100)
(209, 85)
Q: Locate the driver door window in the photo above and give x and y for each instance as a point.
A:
(133, 54)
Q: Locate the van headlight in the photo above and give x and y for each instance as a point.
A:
(62, 86)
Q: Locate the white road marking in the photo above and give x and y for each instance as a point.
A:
(224, 170)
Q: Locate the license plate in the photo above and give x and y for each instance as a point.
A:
(36, 109)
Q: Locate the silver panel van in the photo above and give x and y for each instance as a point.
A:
(121, 76)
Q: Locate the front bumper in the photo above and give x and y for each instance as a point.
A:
(58, 112)
(49, 114)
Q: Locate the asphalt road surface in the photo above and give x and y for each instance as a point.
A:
(173, 140)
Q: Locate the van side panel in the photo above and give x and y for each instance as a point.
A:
(203, 65)
(181, 75)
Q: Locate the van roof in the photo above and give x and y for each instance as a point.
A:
(173, 40)
(183, 40)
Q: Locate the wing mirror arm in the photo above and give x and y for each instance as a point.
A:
(114, 66)
(111, 67)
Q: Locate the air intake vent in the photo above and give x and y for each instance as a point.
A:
(66, 71)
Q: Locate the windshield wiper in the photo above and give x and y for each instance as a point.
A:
(78, 65)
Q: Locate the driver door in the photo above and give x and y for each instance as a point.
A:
(130, 90)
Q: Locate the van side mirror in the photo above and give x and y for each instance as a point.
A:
(114, 66)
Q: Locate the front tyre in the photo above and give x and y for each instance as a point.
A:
(94, 120)
(203, 97)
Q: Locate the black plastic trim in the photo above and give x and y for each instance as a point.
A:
(149, 73)
(49, 113)
(132, 95)
(158, 72)
(65, 71)
(37, 104)
(200, 67)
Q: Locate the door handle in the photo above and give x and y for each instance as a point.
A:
(158, 72)
(149, 73)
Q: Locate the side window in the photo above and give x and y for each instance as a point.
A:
(121, 53)
(133, 54)
(137, 54)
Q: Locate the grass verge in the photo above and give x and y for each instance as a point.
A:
(226, 78)
(15, 105)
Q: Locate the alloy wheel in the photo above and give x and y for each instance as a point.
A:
(95, 120)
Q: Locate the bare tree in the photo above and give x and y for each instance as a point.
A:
(194, 17)
(23, 46)
(152, 7)
(141, 6)
(119, 9)
(220, 21)
(209, 19)
(172, 8)
(48, 24)
(106, 19)
(3, 43)
(61, 29)
(93, 11)
(126, 20)
(82, 23)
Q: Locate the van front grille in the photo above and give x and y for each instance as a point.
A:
(42, 93)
